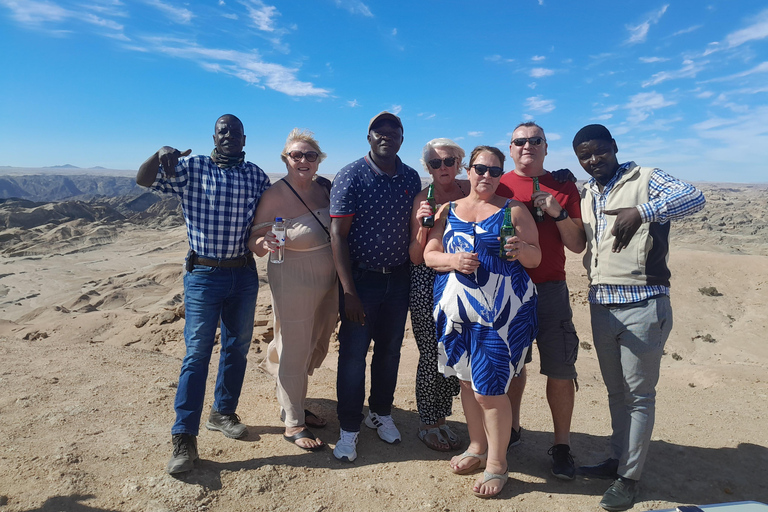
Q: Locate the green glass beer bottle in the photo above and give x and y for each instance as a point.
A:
(538, 212)
(429, 222)
(506, 231)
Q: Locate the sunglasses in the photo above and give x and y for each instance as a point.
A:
(494, 171)
(296, 156)
(535, 141)
(435, 163)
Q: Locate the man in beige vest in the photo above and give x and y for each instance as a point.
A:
(626, 211)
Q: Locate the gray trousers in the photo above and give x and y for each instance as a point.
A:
(629, 341)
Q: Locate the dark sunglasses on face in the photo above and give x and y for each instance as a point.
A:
(535, 141)
(494, 171)
(435, 163)
(296, 156)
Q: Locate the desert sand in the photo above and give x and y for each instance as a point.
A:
(91, 319)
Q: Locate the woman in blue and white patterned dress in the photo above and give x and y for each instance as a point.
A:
(485, 311)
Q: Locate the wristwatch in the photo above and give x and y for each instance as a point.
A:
(563, 215)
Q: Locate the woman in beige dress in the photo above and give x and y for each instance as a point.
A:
(304, 286)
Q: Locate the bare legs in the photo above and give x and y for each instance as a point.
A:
(560, 396)
(489, 419)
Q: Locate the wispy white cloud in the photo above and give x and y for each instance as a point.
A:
(394, 32)
(355, 7)
(498, 58)
(33, 12)
(396, 109)
(426, 116)
(532, 85)
(756, 31)
(45, 13)
(353, 103)
(689, 69)
(247, 66)
(686, 30)
(262, 15)
(638, 33)
(113, 8)
(176, 14)
(652, 60)
(475, 134)
(541, 72)
(642, 105)
(539, 104)
(728, 148)
(537, 58)
(760, 68)
(102, 22)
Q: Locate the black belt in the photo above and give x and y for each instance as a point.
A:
(371, 268)
(239, 262)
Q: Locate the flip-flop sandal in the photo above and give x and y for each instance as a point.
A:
(434, 439)
(487, 477)
(307, 414)
(304, 434)
(481, 459)
(317, 422)
(454, 441)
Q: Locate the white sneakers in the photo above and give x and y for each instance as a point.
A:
(384, 426)
(346, 447)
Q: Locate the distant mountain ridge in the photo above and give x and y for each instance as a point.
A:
(57, 187)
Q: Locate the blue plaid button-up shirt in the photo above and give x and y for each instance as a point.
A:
(669, 198)
(218, 204)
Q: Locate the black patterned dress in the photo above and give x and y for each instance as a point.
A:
(434, 391)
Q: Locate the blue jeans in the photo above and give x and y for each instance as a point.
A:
(213, 294)
(629, 341)
(385, 301)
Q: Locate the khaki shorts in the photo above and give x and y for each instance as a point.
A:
(557, 341)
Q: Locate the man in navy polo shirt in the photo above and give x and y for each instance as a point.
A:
(371, 203)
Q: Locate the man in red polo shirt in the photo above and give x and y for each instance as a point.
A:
(559, 226)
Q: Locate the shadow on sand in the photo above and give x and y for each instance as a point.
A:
(681, 474)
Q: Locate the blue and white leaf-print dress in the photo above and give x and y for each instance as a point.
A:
(486, 321)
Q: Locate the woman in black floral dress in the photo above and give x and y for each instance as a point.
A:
(443, 160)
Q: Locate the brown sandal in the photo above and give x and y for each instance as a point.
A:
(434, 439)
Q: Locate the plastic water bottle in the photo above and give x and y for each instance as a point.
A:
(278, 228)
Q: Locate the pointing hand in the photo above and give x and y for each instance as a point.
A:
(169, 157)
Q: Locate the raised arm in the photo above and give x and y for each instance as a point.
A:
(419, 234)
(670, 199)
(524, 246)
(166, 156)
(571, 230)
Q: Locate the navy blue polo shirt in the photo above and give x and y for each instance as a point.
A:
(381, 205)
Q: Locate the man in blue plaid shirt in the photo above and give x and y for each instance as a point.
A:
(626, 211)
(218, 195)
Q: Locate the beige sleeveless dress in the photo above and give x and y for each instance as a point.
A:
(305, 305)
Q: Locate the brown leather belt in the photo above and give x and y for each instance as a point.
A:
(239, 262)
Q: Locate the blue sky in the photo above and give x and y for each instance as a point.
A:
(682, 85)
